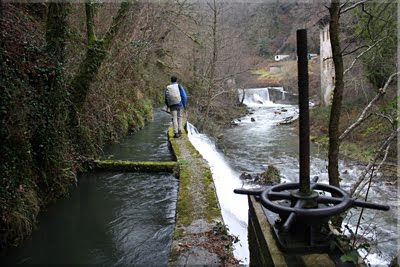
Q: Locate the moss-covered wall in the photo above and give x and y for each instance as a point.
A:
(135, 166)
(260, 254)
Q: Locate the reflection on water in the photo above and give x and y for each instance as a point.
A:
(148, 144)
(111, 218)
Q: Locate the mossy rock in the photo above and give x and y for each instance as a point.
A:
(271, 175)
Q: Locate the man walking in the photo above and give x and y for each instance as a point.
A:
(175, 98)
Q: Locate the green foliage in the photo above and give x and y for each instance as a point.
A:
(51, 124)
(270, 175)
(263, 47)
(356, 151)
(87, 72)
(379, 21)
(391, 109)
(319, 120)
(181, 162)
(209, 193)
(41, 151)
(349, 245)
(36, 167)
(137, 166)
(184, 205)
(350, 256)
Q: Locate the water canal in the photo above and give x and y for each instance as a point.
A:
(111, 218)
(128, 218)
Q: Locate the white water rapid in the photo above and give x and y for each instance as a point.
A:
(234, 207)
(261, 97)
(256, 141)
(256, 97)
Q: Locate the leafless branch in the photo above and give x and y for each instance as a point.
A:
(352, 6)
(373, 161)
(220, 93)
(388, 118)
(185, 33)
(363, 114)
(344, 4)
(353, 51)
(361, 54)
(376, 170)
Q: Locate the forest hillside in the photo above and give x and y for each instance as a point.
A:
(76, 77)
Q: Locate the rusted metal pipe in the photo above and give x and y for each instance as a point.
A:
(304, 134)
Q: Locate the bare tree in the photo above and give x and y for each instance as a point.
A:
(334, 143)
(376, 42)
(95, 54)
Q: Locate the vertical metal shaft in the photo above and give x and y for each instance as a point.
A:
(304, 135)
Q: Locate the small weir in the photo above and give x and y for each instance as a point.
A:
(115, 218)
(257, 141)
(234, 209)
(111, 218)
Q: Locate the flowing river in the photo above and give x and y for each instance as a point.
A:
(258, 141)
(128, 218)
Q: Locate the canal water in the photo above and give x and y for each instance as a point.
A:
(128, 218)
(110, 218)
(258, 140)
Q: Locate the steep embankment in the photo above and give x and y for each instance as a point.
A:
(362, 144)
(41, 151)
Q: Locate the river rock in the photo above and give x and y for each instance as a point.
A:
(234, 123)
(283, 110)
(270, 176)
(246, 176)
(252, 119)
(288, 120)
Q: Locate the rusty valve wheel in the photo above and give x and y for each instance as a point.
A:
(341, 203)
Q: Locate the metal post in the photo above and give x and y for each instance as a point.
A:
(304, 135)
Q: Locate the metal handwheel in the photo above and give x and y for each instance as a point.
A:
(341, 202)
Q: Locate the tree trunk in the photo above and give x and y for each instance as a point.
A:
(334, 142)
(1, 12)
(243, 96)
(56, 30)
(212, 75)
(95, 55)
(90, 10)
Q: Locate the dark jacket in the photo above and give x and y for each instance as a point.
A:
(183, 97)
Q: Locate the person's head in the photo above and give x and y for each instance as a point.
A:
(173, 79)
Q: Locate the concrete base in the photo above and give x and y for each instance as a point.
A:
(264, 250)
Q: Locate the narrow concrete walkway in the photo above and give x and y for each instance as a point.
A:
(200, 237)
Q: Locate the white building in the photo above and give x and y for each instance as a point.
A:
(281, 57)
(327, 67)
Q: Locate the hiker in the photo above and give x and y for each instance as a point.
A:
(175, 98)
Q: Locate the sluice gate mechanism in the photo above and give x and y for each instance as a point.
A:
(299, 212)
